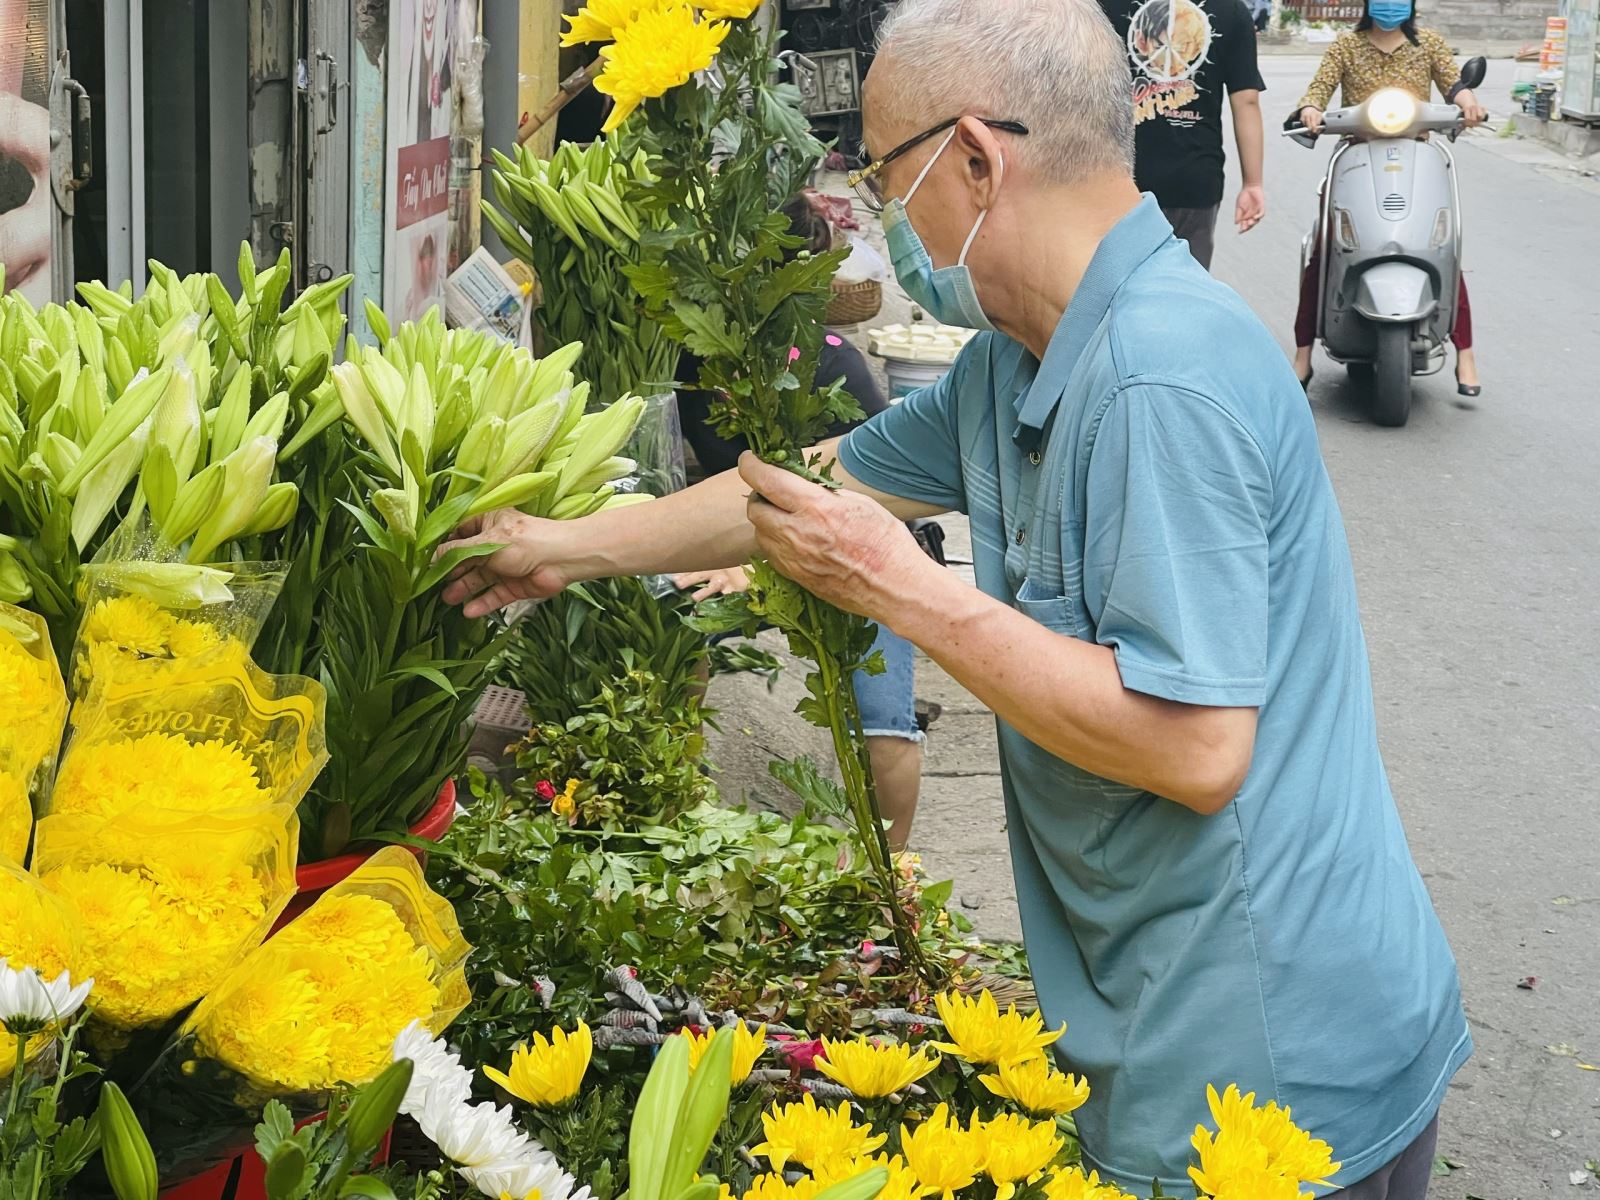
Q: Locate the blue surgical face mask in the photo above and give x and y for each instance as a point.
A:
(1389, 14)
(948, 294)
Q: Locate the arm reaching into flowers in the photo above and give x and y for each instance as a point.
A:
(701, 528)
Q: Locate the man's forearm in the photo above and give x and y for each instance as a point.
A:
(1066, 696)
(700, 528)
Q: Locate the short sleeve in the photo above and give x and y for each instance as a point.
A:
(911, 449)
(1442, 64)
(1244, 71)
(1175, 547)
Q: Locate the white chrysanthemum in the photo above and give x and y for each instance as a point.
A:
(435, 1071)
(534, 1173)
(470, 1135)
(28, 1004)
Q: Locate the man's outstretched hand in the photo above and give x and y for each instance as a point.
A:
(519, 570)
(845, 548)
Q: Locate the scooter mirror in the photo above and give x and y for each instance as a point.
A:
(1473, 72)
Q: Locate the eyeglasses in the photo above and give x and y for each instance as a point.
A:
(866, 181)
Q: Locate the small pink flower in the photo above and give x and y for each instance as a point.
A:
(545, 790)
(801, 1056)
(794, 353)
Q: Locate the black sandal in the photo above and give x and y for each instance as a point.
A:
(1305, 384)
(1469, 389)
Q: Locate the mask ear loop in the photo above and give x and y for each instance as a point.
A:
(906, 199)
(977, 225)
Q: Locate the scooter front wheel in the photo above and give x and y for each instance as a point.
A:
(1391, 394)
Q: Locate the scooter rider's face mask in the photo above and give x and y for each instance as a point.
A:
(1389, 14)
(947, 294)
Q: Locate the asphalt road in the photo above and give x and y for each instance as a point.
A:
(1476, 534)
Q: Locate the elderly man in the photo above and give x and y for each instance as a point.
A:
(1214, 882)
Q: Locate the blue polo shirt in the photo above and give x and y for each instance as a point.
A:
(1154, 485)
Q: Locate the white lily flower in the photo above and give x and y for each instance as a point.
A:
(435, 1071)
(28, 1004)
(470, 1135)
(536, 1173)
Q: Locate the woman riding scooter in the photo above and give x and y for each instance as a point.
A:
(1385, 50)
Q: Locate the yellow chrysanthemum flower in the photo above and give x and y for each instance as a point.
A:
(1016, 1150)
(306, 1012)
(941, 1154)
(1034, 1085)
(775, 1187)
(16, 817)
(549, 1072)
(658, 50)
(736, 10)
(809, 1136)
(748, 1046)
(33, 700)
(1072, 1184)
(599, 20)
(980, 1033)
(1256, 1151)
(136, 626)
(902, 1183)
(157, 772)
(873, 1071)
(36, 930)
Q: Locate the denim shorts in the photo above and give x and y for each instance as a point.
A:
(888, 701)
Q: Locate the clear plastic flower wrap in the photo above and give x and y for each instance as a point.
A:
(317, 1005)
(33, 700)
(143, 606)
(206, 734)
(167, 901)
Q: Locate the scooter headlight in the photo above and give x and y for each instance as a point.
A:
(1391, 111)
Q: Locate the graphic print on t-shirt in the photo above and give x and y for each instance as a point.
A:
(1168, 42)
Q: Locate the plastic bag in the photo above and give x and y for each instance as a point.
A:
(142, 613)
(656, 448)
(209, 734)
(317, 1005)
(167, 901)
(862, 265)
(34, 701)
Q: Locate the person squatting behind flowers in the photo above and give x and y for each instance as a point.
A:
(1214, 879)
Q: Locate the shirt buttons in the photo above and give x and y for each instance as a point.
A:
(1021, 536)
(1033, 457)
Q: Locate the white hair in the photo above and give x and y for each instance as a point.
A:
(1057, 66)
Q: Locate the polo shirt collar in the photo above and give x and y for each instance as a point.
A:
(1132, 240)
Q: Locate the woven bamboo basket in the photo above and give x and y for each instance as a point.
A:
(853, 303)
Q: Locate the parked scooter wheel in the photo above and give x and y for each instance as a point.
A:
(1391, 394)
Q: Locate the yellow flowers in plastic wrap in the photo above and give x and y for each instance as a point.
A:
(33, 700)
(167, 901)
(321, 1002)
(38, 931)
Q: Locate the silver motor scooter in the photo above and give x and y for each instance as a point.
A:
(1390, 226)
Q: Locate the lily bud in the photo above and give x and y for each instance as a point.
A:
(103, 486)
(364, 414)
(394, 507)
(277, 510)
(247, 473)
(176, 425)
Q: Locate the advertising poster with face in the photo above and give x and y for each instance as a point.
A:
(420, 110)
(26, 207)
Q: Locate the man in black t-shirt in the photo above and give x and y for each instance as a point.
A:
(1185, 53)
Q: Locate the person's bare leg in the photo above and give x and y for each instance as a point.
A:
(1466, 368)
(1302, 362)
(897, 767)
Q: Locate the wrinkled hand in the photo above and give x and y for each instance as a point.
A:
(1251, 208)
(725, 582)
(522, 569)
(25, 231)
(1311, 118)
(1474, 112)
(845, 548)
